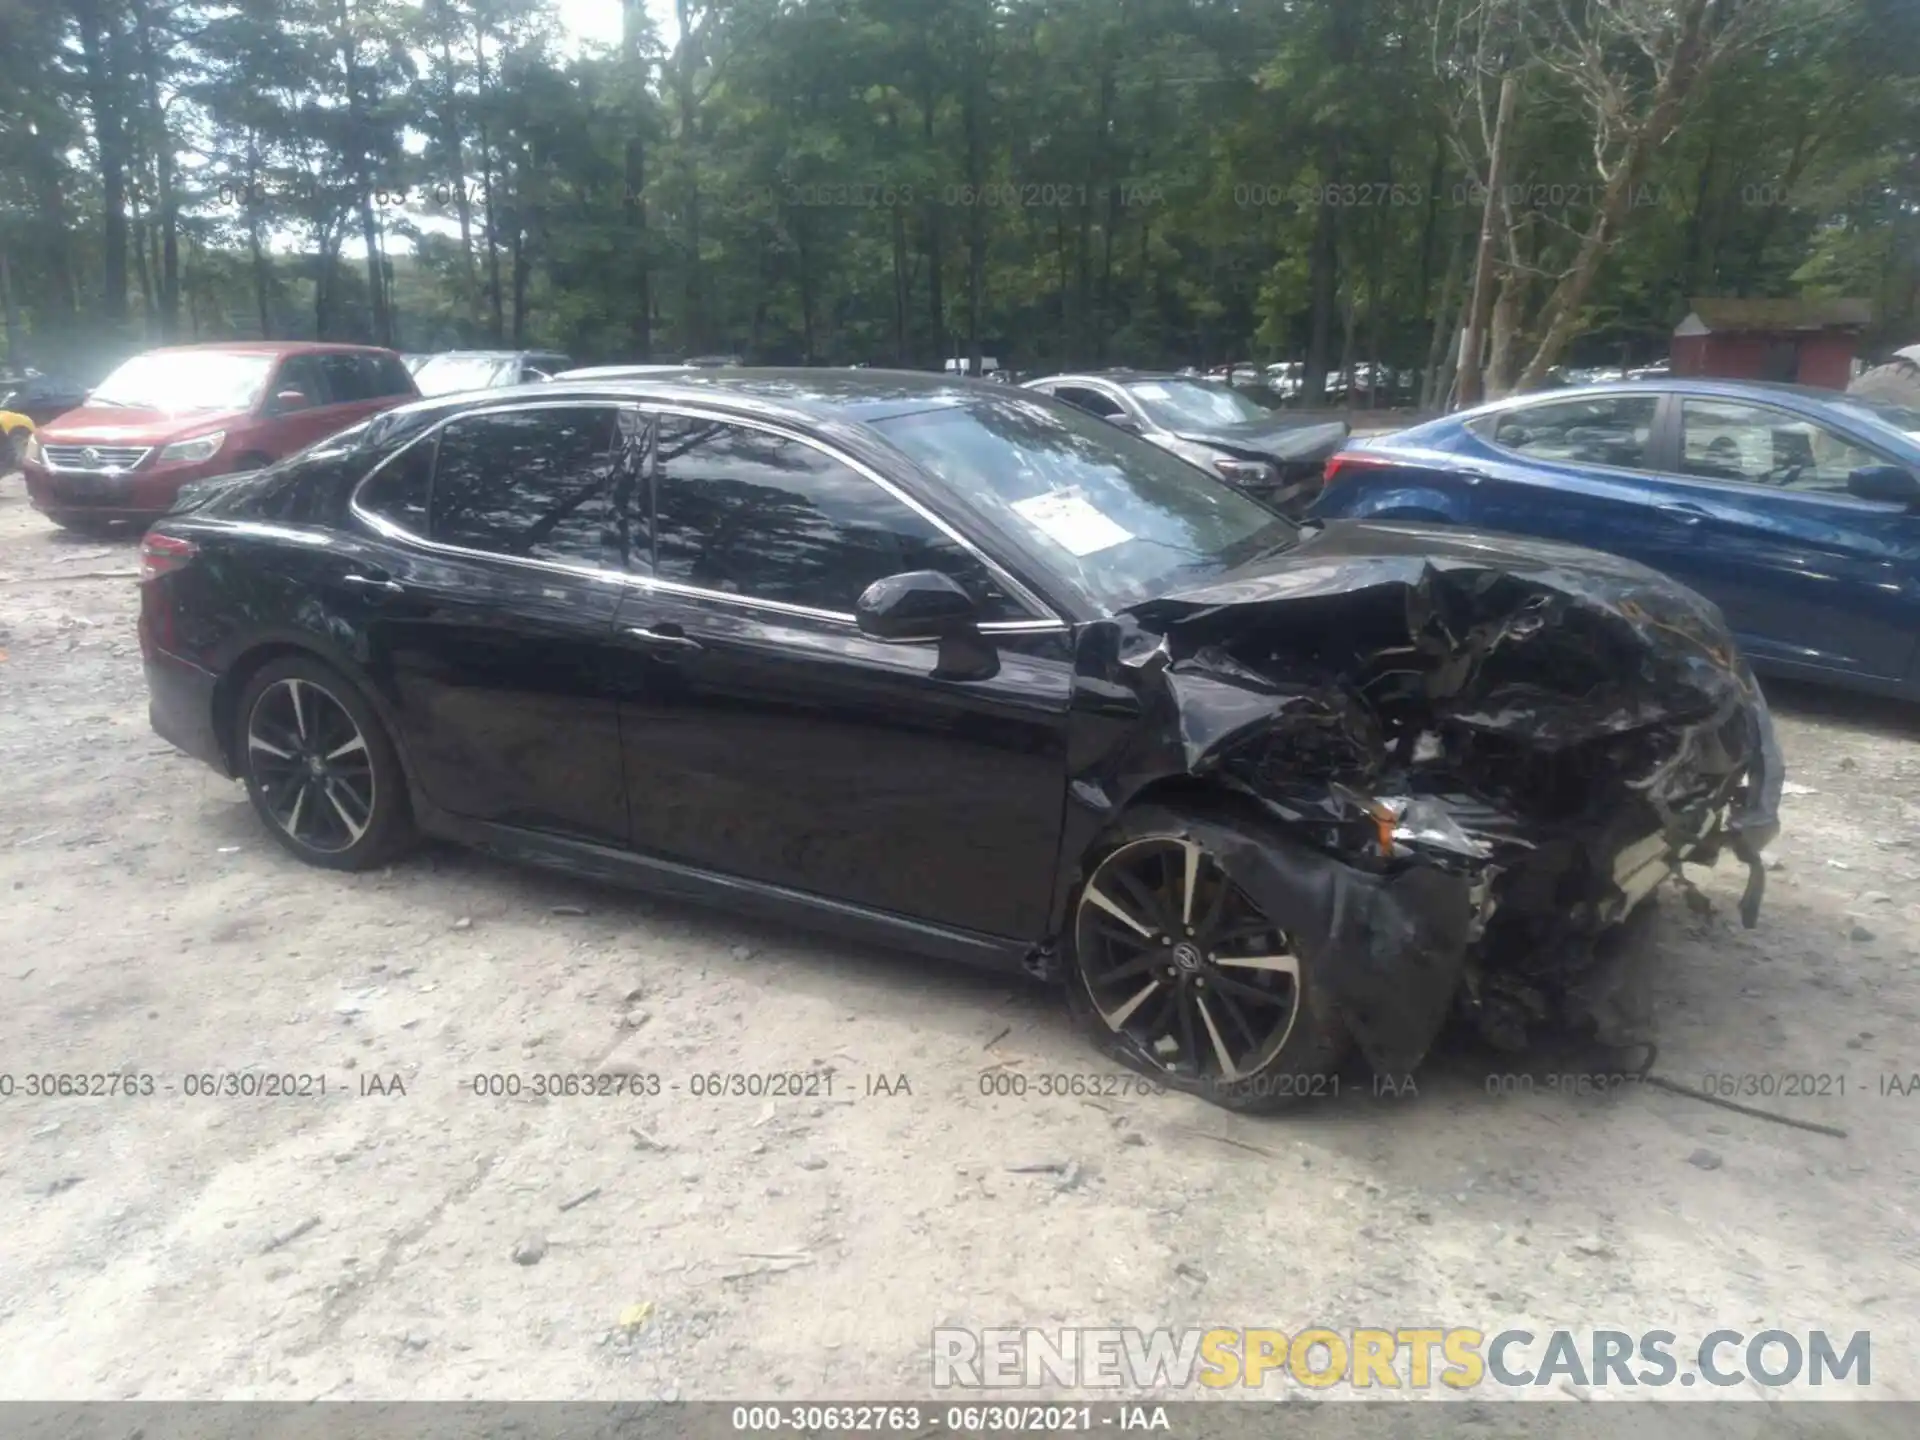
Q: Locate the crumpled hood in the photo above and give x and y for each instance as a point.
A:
(1285, 442)
(1685, 664)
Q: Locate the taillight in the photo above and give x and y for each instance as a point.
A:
(163, 554)
(1352, 460)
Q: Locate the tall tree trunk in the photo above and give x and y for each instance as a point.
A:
(1480, 296)
(100, 47)
(936, 260)
(693, 322)
(262, 278)
(1323, 279)
(490, 216)
(167, 220)
(1561, 315)
(453, 140)
(359, 127)
(973, 124)
(633, 201)
(10, 309)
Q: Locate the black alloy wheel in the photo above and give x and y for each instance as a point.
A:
(319, 767)
(1179, 973)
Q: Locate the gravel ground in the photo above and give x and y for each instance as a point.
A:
(403, 1237)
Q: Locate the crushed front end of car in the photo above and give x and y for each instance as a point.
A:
(1491, 752)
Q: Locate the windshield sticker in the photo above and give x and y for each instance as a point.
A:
(1065, 517)
(1150, 392)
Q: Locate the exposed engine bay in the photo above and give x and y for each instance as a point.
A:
(1556, 738)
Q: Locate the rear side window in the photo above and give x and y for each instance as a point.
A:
(397, 492)
(385, 375)
(744, 512)
(531, 483)
(1595, 430)
(346, 380)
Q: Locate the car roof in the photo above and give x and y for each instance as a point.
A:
(1120, 375)
(268, 347)
(862, 395)
(487, 354)
(1669, 384)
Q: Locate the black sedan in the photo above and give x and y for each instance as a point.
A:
(959, 668)
(1271, 457)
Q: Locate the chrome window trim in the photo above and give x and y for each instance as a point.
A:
(386, 528)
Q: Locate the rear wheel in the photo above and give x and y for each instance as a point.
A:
(1179, 973)
(319, 767)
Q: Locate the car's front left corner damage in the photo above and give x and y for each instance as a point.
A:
(1482, 775)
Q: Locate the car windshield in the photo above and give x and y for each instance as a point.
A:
(183, 380)
(1123, 517)
(1884, 412)
(445, 374)
(1194, 404)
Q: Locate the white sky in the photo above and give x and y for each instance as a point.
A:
(598, 21)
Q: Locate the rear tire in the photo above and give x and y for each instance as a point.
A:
(319, 767)
(1898, 382)
(1174, 970)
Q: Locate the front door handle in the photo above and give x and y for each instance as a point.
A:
(1685, 514)
(665, 641)
(377, 583)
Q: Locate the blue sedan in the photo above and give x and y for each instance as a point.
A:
(1797, 510)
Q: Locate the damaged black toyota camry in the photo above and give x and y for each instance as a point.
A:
(965, 671)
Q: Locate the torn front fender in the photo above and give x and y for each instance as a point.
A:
(1390, 947)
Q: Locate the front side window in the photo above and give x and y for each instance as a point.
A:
(1759, 445)
(302, 374)
(1594, 430)
(536, 484)
(745, 512)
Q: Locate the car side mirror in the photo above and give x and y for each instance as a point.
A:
(1125, 421)
(288, 400)
(1892, 484)
(918, 605)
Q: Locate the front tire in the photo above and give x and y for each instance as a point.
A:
(319, 768)
(1175, 971)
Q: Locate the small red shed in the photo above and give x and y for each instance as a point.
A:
(1807, 342)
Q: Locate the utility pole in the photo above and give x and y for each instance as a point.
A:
(1480, 304)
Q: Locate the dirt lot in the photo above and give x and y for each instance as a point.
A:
(805, 1248)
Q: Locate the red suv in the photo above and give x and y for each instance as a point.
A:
(171, 416)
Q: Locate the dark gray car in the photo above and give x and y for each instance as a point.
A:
(1275, 460)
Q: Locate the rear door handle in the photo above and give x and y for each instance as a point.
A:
(1685, 514)
(378, 583)
(664, 641)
